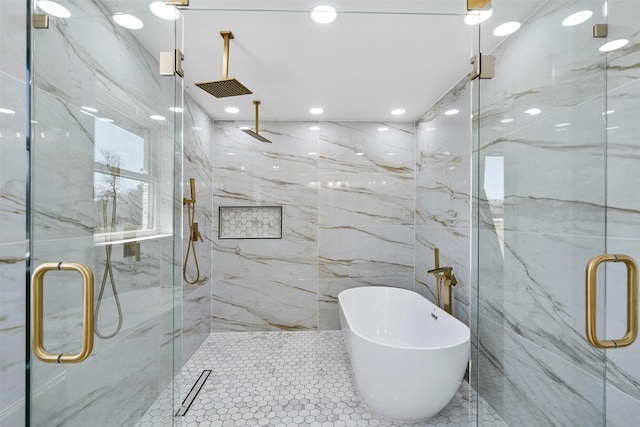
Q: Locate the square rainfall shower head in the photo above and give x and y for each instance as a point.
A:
(224, 88)
(256, 135)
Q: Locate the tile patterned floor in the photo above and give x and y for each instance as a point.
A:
(286, 379)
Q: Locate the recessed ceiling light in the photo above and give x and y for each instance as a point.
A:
(398, 111)
(232, 110)
(561, 125)
(533, 111)
(313, 154)
(392, 154)
(324, 14)
(506, 120)
(611, 111)
(451, 112)
(359, 154)
(314, 128)
(86, 112)
(475, 17)
(105, 119)
(176, 109)
(53, 8)
(245, 128)
(164, 11)
(613, 45)
(383, 129)
(157, 117)
(90, 109)
(506, 29)
(577, 18)
(128, 21)
(316, 110)
(6, 111)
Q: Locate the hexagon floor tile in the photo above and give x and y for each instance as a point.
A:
(285, 379)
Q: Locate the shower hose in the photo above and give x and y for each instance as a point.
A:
(108, 272)
(191, 246)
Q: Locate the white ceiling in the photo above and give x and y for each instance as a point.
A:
(377, 56)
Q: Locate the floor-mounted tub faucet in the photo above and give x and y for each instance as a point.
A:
(444, 275)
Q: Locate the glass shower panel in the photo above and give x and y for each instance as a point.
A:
(104, 150)
(623, 205)
(540, 213)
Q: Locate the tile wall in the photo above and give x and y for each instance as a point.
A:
(348, 220)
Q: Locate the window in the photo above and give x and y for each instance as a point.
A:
(124, 183)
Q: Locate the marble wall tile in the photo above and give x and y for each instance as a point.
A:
(264, 305)
(623, 371)
(366, 199)
(294, 148)
(198, 164)
(328, 290)
(551, 80)
(530, 386)
(622, 157)
(440, 136)
(13, 41)
(12, 157)
(622, 64)
(293, 256)
(370, 213)
(443, 193)
(366, 251)
(542, 295)
(357, 147)
(622, 409)
(12, 328)
(128, 80)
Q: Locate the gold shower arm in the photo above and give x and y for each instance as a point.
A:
(226, 35)
(257, 103)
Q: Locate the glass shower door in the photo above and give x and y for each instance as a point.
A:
(104, 294)
(543, 196)
(622, 385)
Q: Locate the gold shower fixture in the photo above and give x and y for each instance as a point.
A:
(194, 234)
(256, 134)
(225, 87)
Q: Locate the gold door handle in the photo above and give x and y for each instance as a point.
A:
(37, 282)
(632, 301)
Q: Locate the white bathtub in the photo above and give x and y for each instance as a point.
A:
(408, 356)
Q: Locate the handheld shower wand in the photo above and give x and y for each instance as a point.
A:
(194, 234)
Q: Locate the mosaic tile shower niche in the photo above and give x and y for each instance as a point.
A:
(250, 222)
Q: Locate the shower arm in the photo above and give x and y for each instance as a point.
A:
(226, 35)
(257, 103)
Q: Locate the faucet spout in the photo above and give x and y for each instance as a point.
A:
(442, 270)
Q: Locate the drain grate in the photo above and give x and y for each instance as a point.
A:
(188, 401)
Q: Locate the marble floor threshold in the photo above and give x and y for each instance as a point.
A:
(286, 379)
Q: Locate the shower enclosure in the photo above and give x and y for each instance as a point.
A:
(533, 179)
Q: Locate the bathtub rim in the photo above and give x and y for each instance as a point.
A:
(403, 347)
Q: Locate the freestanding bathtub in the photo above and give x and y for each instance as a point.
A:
(408, 355)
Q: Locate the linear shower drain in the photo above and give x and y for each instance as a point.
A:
(186, 404)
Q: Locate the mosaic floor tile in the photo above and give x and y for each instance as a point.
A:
(286, 379)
